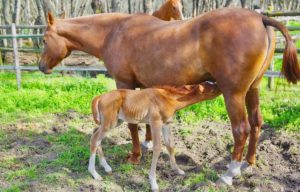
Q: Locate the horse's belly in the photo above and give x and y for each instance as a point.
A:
(164, 74)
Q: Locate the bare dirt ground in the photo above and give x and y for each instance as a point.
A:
(76, 58)
(203, 151)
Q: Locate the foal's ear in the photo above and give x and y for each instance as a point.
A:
(50, 18)
(201, 88)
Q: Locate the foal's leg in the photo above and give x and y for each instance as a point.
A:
(135, 155)
(169, 142)
(235, 104)
(97, 136)
(255, 120)
(147, 143)
(155, 129)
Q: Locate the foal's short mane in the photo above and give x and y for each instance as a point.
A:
(179, 90)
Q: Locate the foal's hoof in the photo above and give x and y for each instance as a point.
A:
(134, 159)
(180, 172)
(223, 181)
(96, 176)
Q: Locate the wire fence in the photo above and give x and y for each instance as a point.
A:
(101, 69)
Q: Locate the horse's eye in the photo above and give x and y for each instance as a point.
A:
(44, 41)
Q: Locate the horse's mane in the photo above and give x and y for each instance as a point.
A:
(179, 90)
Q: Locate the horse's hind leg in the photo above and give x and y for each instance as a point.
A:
(255, 120)
(235, 104)
(169, 142)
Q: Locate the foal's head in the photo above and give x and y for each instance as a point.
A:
(55, 47)
(175, 9)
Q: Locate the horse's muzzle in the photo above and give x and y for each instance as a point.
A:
(43, 68)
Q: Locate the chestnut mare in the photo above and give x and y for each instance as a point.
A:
(231, 46)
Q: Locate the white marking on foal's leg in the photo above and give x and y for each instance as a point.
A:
(147, 144)
(105, 165)
(168, 139)
(153, 183)
(91, 167)
(234, 170)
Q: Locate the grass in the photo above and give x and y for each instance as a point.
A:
(42, 95)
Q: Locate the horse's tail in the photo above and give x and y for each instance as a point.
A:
(95, 109)
(290, 67)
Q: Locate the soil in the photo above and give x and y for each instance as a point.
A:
(205, 146)
(76, 58)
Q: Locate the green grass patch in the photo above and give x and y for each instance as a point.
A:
(205, 175)
(22, 174)
(42, 94)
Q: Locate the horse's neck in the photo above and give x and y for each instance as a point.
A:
(87, 34)
(162, 13)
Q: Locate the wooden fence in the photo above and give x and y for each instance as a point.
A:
(14, 36)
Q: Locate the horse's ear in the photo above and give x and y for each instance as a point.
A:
(62, 15)
(50, 18)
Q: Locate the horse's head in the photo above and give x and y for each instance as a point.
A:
(175, 9)
(55, 47)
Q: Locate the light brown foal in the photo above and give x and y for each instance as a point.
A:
(154, 106)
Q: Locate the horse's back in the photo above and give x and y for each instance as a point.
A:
(220, 44)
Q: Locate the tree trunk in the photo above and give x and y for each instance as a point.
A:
(227, 3)
(115, 6)
(129, 6)
(98, 6)
(217, 3)
(243, 3)
(40, 12)
(147, 4)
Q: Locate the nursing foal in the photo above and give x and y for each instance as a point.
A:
(154, 106)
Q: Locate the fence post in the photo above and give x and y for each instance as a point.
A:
(16, 55)
(271, 79)
(1, 61)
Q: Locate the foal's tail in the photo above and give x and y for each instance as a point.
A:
(95, 109)
(290, 66)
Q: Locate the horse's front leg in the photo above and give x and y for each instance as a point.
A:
(235, 104)
(135, 155)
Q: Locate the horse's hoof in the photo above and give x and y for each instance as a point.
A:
(245, 166)
(147, 145)
(133, 159)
